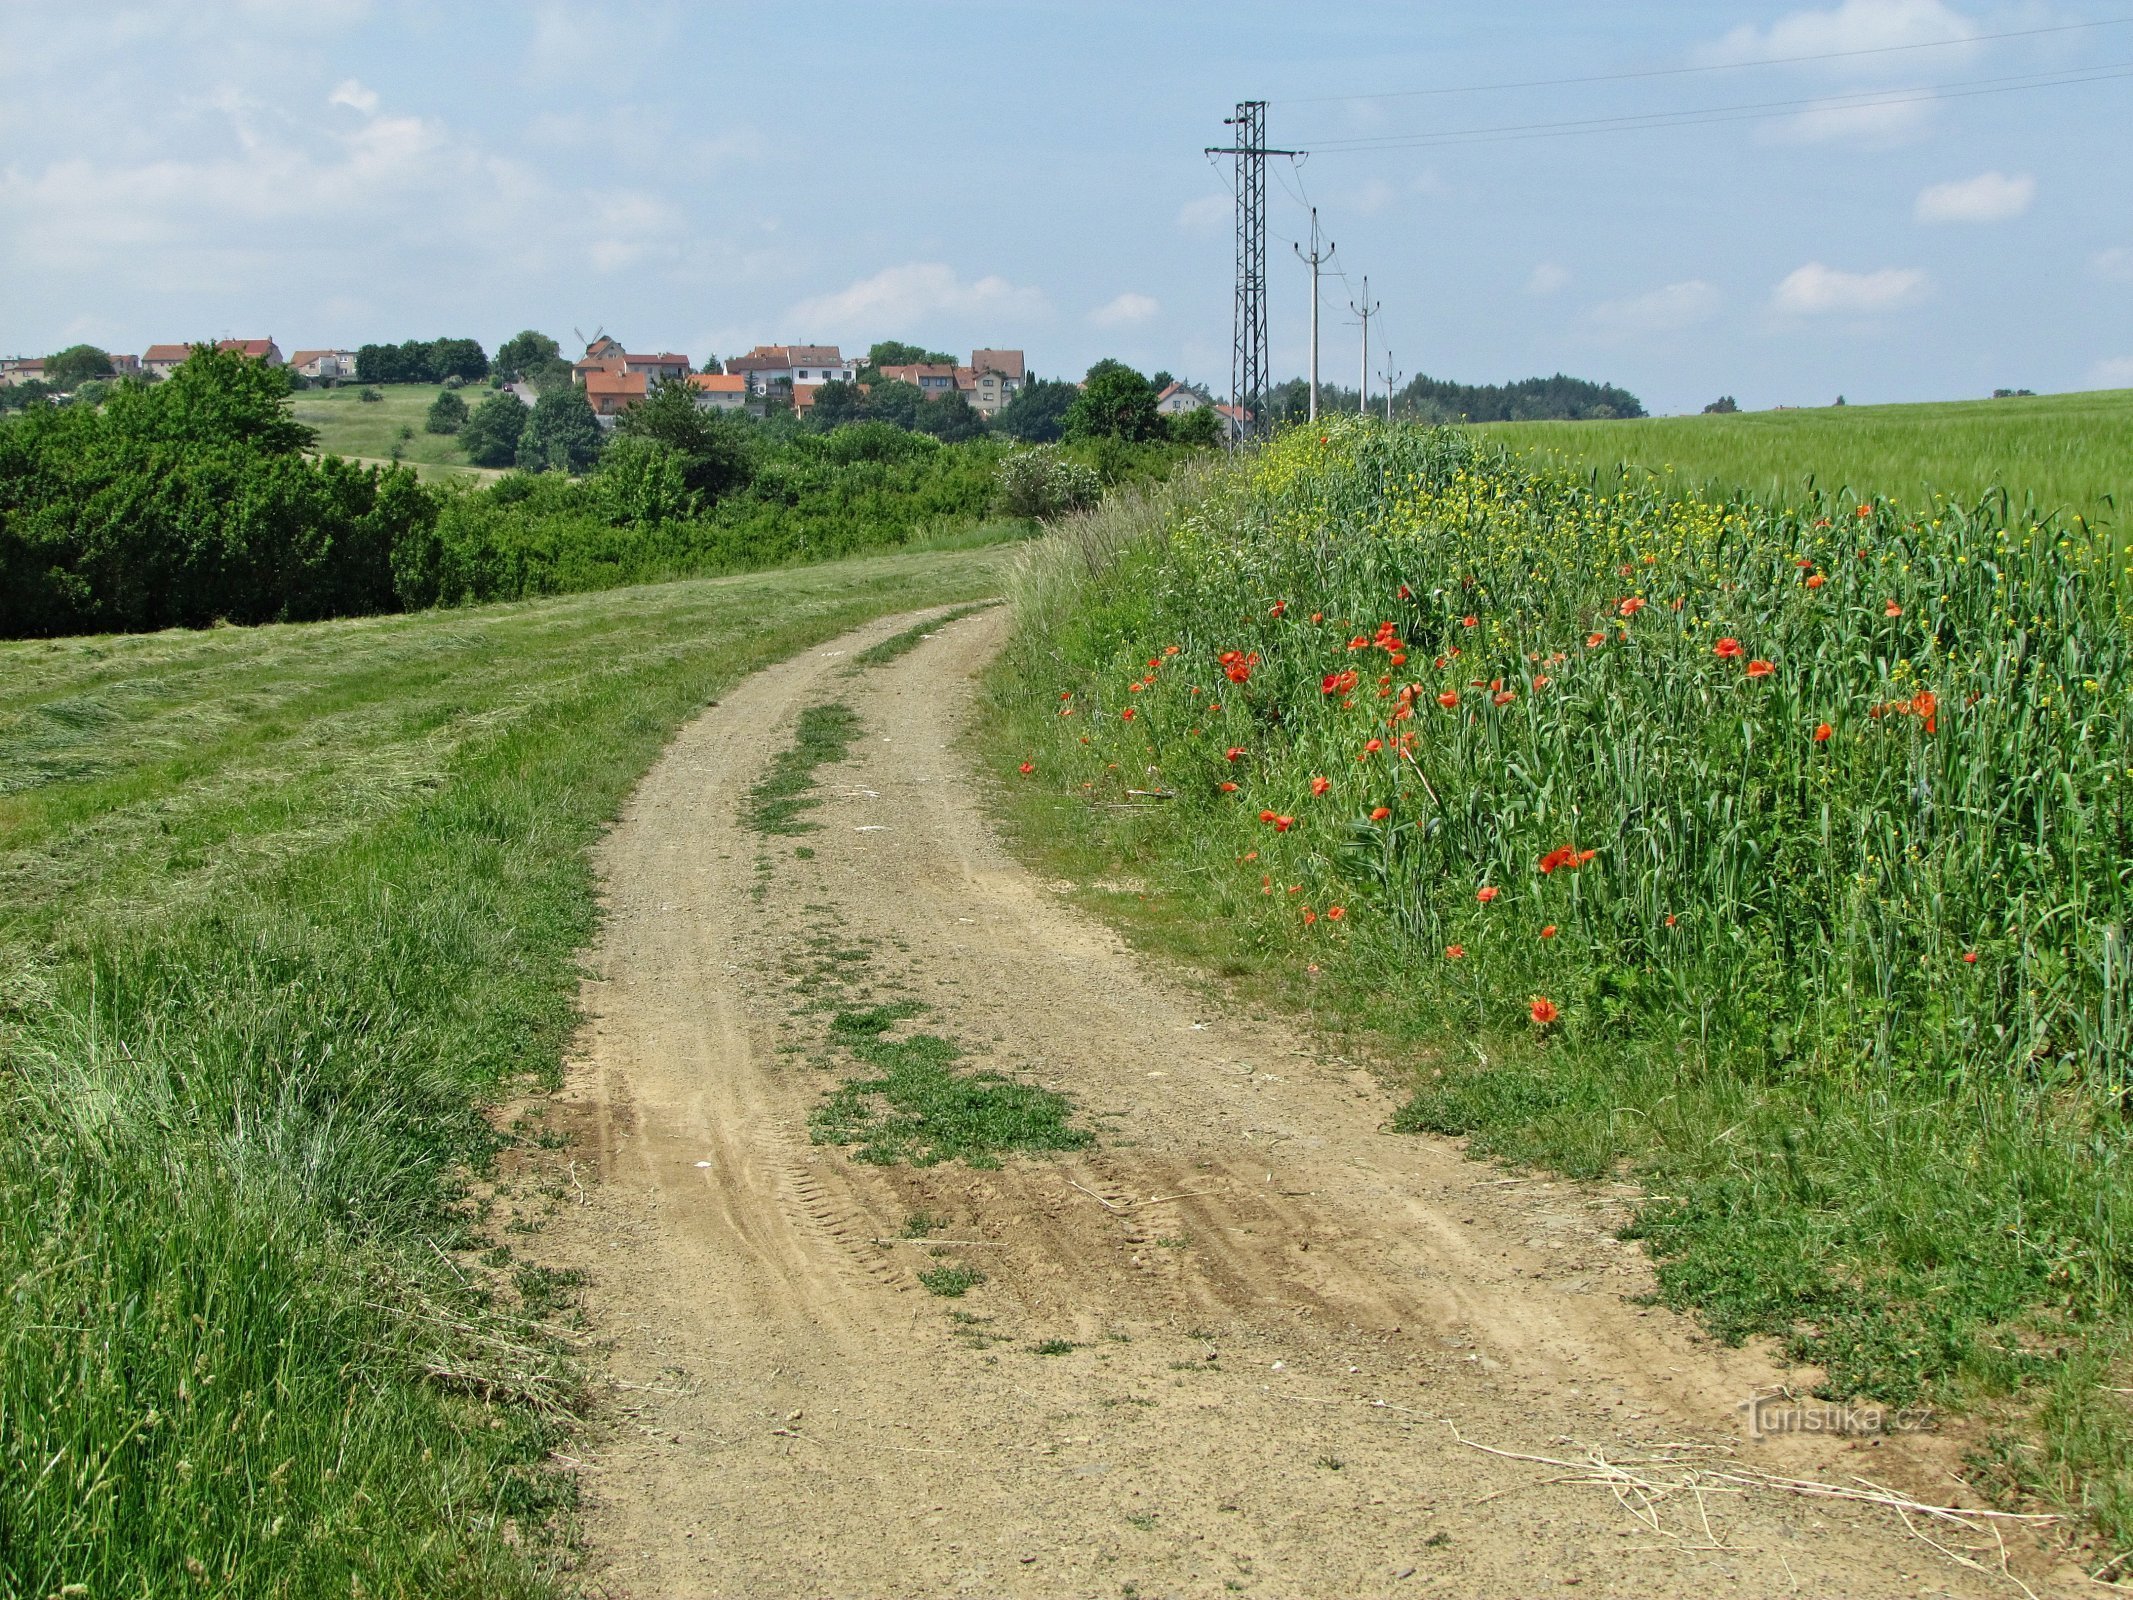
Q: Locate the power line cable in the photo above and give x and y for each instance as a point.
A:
(1717, 66)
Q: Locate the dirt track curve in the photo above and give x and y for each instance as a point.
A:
(1278, 1312)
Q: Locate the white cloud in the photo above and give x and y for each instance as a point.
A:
(1548, 278)
(1208, 214)
(353, 95)
(901, 296)
(1988, 197)
(1125, 310)
(1667, 310)
(2113, 374)
(1816, 290)
(2113, 266)
(1854, 25)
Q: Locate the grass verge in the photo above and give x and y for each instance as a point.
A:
(281, 909)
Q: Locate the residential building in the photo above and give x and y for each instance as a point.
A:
(607, 355)
(612, 393)
(126, 366)
(1178, 399)
(720, 391)
(21, 369)
(161, 360)
(330, 366)
(254, 350)
(779, 366)
(1235, 420)
(997, 376)
(803, 398)
(930, 378)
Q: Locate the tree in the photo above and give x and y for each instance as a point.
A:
(951, 419)
(894, 401)
(447, 414)
(837, 403)
(895, 353)
(1038, 412)
(562, 435)
(490, 436)
(1159, 381)
(75, 365)
(642, 482)
(1724, 405)
(551, 373)
(712, 366)
(711, 449)
(1115, 403)
(524, 350)
(1202, 426)
(457, 358)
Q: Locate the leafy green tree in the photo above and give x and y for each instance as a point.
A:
(712, 365)
(894, 401)
(711, 448)
(895, 353)
(562, 435)
(1724, 405)
(457, 358)
(951, 419)
(551, 374)
(522, 351)
(447, 414)
(76, 365)
(1201, 426)
(642, 482)
(490, 437)
(1037, 414)
(836, 404)
(1115, 403)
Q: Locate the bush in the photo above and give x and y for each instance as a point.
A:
(447, 414)
(562, 434)
(1043, 484)
(490, 436)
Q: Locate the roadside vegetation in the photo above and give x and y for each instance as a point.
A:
(282, 910)
(1774, 854)
(2067, 453)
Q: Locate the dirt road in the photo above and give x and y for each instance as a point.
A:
(1224, 1351)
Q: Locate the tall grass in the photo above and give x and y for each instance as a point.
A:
(2068, 453)
(280, 910)
(1778, 854)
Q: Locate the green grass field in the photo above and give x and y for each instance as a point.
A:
(368, 430)
(2070, 452)
(282, 909)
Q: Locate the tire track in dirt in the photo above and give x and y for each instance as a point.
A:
(1274, 1309)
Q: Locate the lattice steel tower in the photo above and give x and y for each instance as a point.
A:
(1248, 357)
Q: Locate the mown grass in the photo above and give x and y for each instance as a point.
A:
(370, 430)
(280, 910)
(2069, 453)
(1907, 1164)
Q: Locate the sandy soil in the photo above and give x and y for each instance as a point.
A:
(1278, 1313)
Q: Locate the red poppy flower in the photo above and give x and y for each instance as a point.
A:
(1027, 768)
(1380, 813)
(1233, 753)
(1127, 714)
(1593, 641)
(1277, 608)
(1318, 616)
(1970, 956)
(1822, 732)
(1632, 605)
(1374, 746)
(1815, 580)
(1398, 658)
(1486, 893)
(1469, 622)
(1335, 913)
(1543, 1011)
(1503, 697)
(1266, 816)
(1229, 788)
(1866, 511)
(1727, 649)
(1926, 704)
(1454, 952)
(1406, 593)
(1338, 682)
(1321, 785)
(1135, 688)
(1310, 916)
(1168, 650)
(1448, 699)
(1548, 932)
(1284, 824)
(1760, 669)
(1542, 681)
(1892, 609)
(1671, 920)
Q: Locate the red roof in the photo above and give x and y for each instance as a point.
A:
(803, 395)
(776, 356)
(911, 372)
(666, 359)
(1008, 363)
(257, 349)
(720, 382)
(166, 352)
(614, 383)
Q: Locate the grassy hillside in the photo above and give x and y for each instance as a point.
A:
(2070, 452)
(368, 430)
(280, 909)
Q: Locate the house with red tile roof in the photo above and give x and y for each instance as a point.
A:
(612, 393)
(254, 350)
(161, 360)
(778, 366)
(21, 369)
(327, 364)
(719, 391)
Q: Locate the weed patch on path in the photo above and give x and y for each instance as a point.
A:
(901, 644)
(780, 803)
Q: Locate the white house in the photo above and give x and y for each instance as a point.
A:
(780, 366)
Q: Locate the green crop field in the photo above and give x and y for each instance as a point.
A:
(282, 909)
(367, 430)
(2070, 452)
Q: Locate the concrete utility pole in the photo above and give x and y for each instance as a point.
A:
(1316, 259)
(1366, 311)
(1392, 377)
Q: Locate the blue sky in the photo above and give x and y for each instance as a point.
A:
(706, 176)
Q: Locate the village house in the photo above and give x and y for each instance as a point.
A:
(126, 366)
(607, 355)
(612, 393)
(21, 369)
(161, 360)
(930, 378)
(997, 376)
(330, 366)
(720, 391)
(254, 350)
(1178, 399)
(781, 366)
